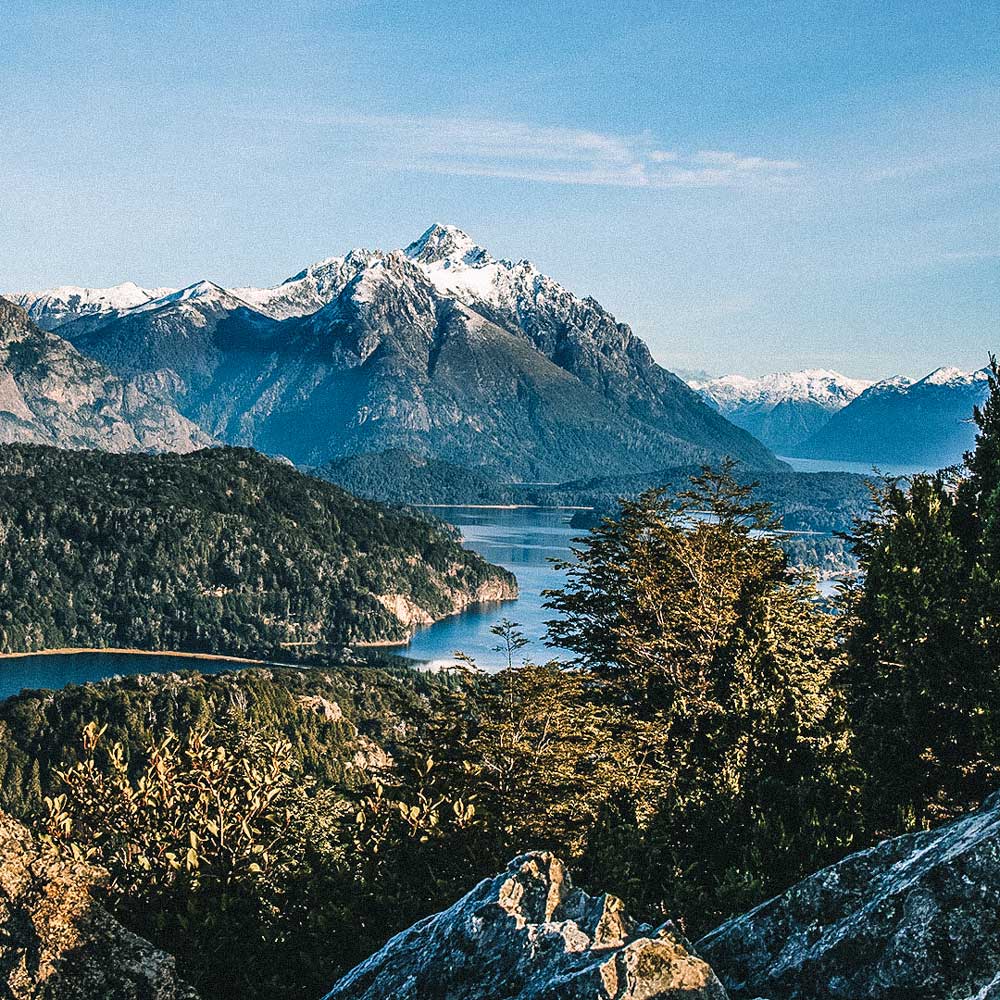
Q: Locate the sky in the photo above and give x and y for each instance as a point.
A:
(753, 187)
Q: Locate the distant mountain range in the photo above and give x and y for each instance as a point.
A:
(896, 421)
(439, 349)
(782, 409)
(824, 415)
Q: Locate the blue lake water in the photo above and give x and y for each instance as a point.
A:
(523, 540)
(862, 468)
(56, 670)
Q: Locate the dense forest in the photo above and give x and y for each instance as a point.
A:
(813, 507)
(219, 551)
(402, 477)
(717, 736)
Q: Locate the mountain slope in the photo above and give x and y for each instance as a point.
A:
(438, 349)
(782, 409)
(55, 306)
(50, 393)
(926, 423)
(220, 551)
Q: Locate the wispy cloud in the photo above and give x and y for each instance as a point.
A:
(485, 147)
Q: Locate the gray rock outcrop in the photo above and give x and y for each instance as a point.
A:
(913, 917)
(527, 934)
(57, 943)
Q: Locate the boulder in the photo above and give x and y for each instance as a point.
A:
(913, 917)
(57, 943)
(527, 934)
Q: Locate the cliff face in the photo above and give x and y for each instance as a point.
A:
(917, 916)
(56, 943)
(529, 935)
(50, 393)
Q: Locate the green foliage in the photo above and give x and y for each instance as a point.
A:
(199, 844)
(224, 810)
(221, 551)
(687, 610)
(924, 669)
(401, 477)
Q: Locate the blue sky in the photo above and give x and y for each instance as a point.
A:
(752, 187)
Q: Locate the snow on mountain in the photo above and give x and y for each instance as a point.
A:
(449, 258)
(53, 307)
(901, 422)
(205, 293)
(783, 408)
(950, 376)
(309, 290)
(439, 348)
(829, 389)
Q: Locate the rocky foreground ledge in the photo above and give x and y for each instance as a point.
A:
(913, 918)
(527, 934)
(56, 943)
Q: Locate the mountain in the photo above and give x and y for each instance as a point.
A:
(899, 422)
(438, 349)
(782, 409)
(916, 916)
(220, 551)
(50, 393)
(55, 306)
(528, 934)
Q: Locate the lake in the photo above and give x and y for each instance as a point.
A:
(523, 540)
(861, 468)
(56, 670)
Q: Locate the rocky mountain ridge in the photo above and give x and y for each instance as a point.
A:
(50, 393)
(438, 348)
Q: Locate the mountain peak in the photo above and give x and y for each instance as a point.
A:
(443, 243)
(949, 375)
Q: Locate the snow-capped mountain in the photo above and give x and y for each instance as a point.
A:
(439, 348)
(901, 422)
(50, 393)
(53, 307)
(784, 408)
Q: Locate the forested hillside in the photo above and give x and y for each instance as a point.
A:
(221, 551)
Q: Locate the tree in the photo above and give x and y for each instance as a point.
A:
(923, 671)
(688, 613)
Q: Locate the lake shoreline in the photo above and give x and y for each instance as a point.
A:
(120, 651)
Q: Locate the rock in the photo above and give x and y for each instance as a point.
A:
(52, 394)
(327, 710)
(916, 916)
(527, 934)
(57, 943)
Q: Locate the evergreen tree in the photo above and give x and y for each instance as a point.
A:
(923, 673)
(688, 612)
